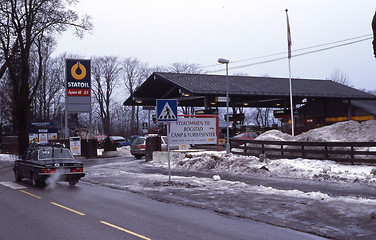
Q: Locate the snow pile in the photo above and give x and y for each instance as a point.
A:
(120, 152)
(220, 162)
(8, 158)
(275, 135)
(349, 131)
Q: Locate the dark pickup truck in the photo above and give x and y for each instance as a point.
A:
(43, 161)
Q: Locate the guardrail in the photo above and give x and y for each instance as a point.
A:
(364, 152)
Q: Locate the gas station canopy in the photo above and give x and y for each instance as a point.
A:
(203, 90)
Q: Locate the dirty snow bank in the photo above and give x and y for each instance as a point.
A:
(348, 131)
(298, 168)
(8, 157)
(220, 162)
(275, 135)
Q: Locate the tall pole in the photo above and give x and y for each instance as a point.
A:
(66, 132)
(225, 61)
(168, 153)
(289, 44)
(374, 34)
(228, 131)
(291, 103)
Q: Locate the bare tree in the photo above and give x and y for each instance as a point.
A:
(106, 72)
(6, 107)
(134, 73)
(47, 103)
(22, 25)
(190, 68)
(340, 77)
(180, 67)
(263, 117)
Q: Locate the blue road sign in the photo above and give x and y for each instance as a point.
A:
(167, 110)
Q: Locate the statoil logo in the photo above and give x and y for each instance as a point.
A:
(82, 73)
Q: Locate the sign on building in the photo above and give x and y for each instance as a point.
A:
(202, 130)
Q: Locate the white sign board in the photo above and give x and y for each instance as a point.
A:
(75, 145)
(33, 137)
(43, 138)
(193, 131)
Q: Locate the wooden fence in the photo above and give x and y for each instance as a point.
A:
(364, 152)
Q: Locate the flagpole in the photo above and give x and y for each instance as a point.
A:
(289, 43)
(291, 104)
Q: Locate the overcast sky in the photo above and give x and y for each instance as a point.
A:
(161, 32)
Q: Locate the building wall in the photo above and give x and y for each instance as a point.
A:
(321, 113)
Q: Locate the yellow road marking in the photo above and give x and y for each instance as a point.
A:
(69, 209)
(31, 194)
(125, 230)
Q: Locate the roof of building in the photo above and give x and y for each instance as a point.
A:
(202, 89)
(366, 105)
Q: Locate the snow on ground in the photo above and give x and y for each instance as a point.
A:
(343, 215)
(286, 168)
(8, 157)
(349, 131)
(337, 215)
(275, 135)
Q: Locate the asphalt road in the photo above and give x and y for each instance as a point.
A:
(90, 211)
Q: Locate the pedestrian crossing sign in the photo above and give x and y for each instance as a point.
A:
(167, 110)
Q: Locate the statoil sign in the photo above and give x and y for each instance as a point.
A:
(78, 85)
(78, 77)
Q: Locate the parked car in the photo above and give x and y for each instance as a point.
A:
(43, 161)
(138, 147)
(119, 141)
(99, 139)
(244, 136)
(130, 140)
(247, 135)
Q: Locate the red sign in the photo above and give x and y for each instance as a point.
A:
(78, 92)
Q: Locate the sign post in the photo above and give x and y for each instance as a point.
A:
(167, 111)
(78, 89)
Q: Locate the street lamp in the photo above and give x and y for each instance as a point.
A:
(226, 61)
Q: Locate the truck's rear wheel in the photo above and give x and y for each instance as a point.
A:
(73, 183)
(35, 180)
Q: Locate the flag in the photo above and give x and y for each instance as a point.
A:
(289, 43)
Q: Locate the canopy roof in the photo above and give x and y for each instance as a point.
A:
(203, 90)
